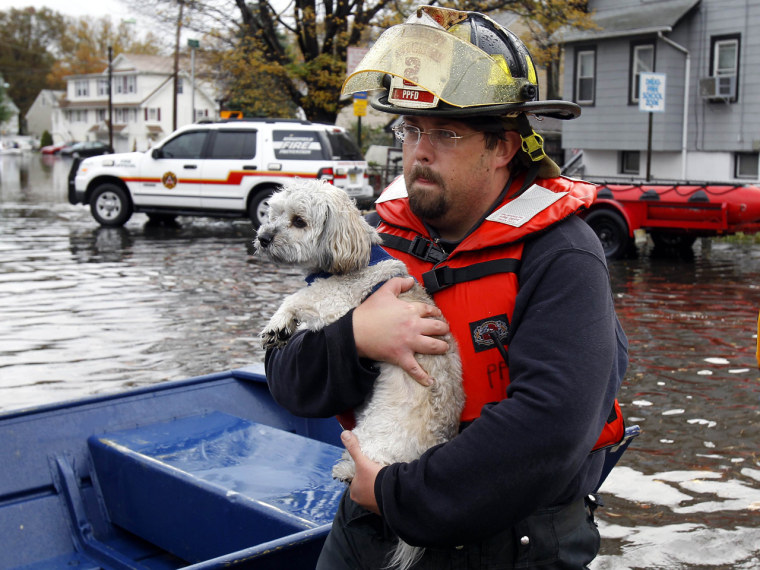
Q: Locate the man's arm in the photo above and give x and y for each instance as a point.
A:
(326, 372)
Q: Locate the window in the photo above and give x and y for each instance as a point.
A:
(186, 145)
(344, 147)
(630, 161)
(234, 145)
(585, 76)
(642, 61)
(78, 116)
(725, 56)
(102, 114)
(180, 86)
(125, 84)
(153, 114)
(82, 87)
(724, 60)
(103, 86)
(746, 165)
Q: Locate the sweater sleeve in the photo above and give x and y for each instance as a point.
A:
(532, 449)
(318, 373)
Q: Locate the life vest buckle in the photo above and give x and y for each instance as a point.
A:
(438, 278)
(426, 250)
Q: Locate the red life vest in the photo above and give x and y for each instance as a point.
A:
(476, 284)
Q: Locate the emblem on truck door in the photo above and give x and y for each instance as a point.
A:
(169, 180)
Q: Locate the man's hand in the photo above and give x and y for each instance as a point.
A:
(389, 329)
(362, 489)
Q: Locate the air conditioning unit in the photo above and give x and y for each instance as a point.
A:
(717, 87)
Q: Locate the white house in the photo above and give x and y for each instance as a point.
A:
(142, 102)
(39, 117)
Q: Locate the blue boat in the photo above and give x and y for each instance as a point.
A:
(202, 473)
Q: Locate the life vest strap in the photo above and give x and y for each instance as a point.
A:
(444, 276)
(419, 247)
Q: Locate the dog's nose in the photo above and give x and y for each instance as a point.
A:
(264, 239)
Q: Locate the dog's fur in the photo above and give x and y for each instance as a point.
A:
(316, 226)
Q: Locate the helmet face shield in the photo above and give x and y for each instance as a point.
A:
(444, 62)
(428, 64)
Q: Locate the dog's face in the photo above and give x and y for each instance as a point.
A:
(316, 226)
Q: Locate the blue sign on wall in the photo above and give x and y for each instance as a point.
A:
(652, 92)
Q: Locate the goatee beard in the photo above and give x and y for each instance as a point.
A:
(426, 205)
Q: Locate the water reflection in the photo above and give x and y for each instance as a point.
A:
(87, 310)
(687, 494)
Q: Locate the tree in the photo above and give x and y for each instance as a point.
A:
(5, 112)
(544, 19)
(25, 36)
(83, 46)
(46, 138)
(275, 59)
(40, 47)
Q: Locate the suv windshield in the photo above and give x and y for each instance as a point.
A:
(343, 147)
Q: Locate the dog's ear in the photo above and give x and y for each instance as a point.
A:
(349, 238)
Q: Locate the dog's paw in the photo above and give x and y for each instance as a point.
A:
(279, 330)
(344, 470)
(275, 338)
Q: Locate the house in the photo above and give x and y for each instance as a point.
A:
(39, 117)
(703, 54)
(142, 102)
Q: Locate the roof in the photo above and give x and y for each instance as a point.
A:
(102, 127)
(93, 103)
(143, 63)
(638, 19)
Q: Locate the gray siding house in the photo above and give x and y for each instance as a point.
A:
(709, 52)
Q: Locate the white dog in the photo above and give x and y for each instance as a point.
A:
(316, 226)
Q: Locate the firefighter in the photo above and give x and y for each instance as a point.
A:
(482, 217)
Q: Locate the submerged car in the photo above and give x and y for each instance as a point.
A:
(54, 148)
(86, 149)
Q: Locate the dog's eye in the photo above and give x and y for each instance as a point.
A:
(298, 222)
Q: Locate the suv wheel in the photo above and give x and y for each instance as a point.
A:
(110, 205)
(258, 207)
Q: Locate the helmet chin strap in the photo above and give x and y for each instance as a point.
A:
(533, 146)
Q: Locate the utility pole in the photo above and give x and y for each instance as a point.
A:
(193, 45)
(110, 96)
(176, 63)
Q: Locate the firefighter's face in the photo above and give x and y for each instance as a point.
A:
(451, 182)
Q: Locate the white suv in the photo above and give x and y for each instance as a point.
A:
(223, 169)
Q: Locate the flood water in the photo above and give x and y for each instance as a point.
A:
(87, 310)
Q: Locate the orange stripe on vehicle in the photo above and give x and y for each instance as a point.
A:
(234, 178)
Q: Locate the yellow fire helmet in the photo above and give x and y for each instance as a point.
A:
(444, 62)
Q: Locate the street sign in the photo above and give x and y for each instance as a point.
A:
(193, 43)
(652, 92)
(360, 107)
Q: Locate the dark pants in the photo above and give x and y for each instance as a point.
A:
(558, 538)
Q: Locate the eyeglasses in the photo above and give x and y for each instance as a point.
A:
(439, 138)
